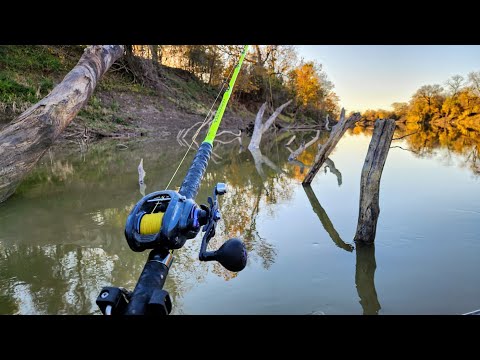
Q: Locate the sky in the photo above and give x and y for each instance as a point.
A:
(375, 76)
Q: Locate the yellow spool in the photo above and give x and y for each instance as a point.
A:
(150, 223)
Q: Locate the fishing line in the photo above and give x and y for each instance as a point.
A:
(197, 132)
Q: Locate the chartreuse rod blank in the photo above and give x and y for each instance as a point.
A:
(164, 220)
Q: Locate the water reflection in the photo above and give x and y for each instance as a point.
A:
(365, 278)
(325, 220)
(440, 139)
(365, 259)
(61, 234)
(330, 165)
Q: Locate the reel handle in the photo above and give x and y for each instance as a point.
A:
(232, 255)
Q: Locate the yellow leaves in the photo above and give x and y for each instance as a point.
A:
(372, 115)
(306, 83)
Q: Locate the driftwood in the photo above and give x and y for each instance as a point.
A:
(141, 178)
(325, 220)
(370, 180)
(260, 128)
(335, 136)
(365, 278)
(27, 138)
(183, 133)
(238, 138)
(230, 132)
(291, 140)
(303, 127)
(303, 147)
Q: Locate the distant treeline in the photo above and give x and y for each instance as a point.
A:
(458, 99)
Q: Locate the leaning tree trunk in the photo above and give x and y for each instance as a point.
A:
(25, 140)
(260, 128)
(370, 180)
(327, 148)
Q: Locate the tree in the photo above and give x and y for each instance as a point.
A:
(454, 84)
(25, 140)
(474, 82)
(400, 109)
(306, 83)
(312, 90)
(426, 102)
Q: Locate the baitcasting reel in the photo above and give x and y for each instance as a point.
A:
(163, 221)
(166, 220)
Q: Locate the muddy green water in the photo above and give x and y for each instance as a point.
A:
(61, 234)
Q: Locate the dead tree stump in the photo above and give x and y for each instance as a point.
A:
(369, 209)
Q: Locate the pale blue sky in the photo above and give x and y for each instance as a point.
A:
(375, 76)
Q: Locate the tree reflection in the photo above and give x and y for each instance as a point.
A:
(62, 237)
(325, 220)
(62, 233)
(365, 259)
(424, 140)
(365, 278)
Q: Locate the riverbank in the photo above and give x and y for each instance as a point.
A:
(120, 107)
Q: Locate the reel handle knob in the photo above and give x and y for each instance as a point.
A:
(232, 255)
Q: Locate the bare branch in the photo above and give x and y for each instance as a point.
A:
(303, 147)
(404, 136)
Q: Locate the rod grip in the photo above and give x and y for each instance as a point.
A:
(153, 277)
(191, 182)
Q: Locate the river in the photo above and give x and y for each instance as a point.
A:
(61, 234)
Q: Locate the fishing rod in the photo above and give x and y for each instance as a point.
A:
(164, 220)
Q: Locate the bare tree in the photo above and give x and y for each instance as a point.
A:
(455, 83)
(474, 80)
(260, 128)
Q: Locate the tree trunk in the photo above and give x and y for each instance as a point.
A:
(327, 148)
(260, 128)
(25, 140)
(154, 51)
(370, 181)
(257, 129)
(212, 67)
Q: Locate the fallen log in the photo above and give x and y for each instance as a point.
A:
(24, 141)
